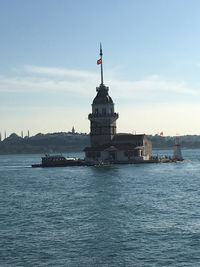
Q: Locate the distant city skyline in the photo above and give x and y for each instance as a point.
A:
(25, 134)
(49, 75)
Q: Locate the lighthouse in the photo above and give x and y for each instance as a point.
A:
(177, 150)
(105, 144)
(103, 117)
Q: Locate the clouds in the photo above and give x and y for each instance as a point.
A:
(60, 72)
(154, 84)
(32, 78)
(60, 97)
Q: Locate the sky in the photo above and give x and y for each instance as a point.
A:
(151, 60)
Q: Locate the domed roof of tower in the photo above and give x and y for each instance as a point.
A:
(102, 96)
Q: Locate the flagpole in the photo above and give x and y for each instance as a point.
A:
(101, 54)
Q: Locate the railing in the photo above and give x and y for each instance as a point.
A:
(107, 115)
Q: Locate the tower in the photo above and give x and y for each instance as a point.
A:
(103, 118)
(177, 150)
(106, 146)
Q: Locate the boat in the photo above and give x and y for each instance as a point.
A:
(59, 161)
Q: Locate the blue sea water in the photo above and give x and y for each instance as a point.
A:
(120, 215)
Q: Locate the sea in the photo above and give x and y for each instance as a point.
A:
(118, 215)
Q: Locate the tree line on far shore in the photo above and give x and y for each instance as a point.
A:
(75, 142)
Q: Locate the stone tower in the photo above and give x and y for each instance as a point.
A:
(103, 117)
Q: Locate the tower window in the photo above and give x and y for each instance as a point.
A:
(96, 111)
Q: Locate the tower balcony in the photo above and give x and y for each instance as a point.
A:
(112, 116)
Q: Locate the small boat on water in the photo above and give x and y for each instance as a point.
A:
(59, 161)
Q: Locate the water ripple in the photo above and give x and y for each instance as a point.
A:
(122, 215)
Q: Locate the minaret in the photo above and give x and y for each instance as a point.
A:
(103, 118)
(22, 134)
(5, 135)
(28, 134)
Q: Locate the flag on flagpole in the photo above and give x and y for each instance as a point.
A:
(99, 61)
(161, 133)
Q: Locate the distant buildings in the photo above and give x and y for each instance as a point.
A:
(21, 135)
(105, 143)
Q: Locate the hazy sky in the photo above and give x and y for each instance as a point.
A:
(48, 70)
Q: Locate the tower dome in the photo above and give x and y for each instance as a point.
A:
(102, 96)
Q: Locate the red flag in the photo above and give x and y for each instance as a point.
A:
(99, 61)
(161, 133)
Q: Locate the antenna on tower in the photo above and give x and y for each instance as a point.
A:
(101, 54)
(100, 61)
